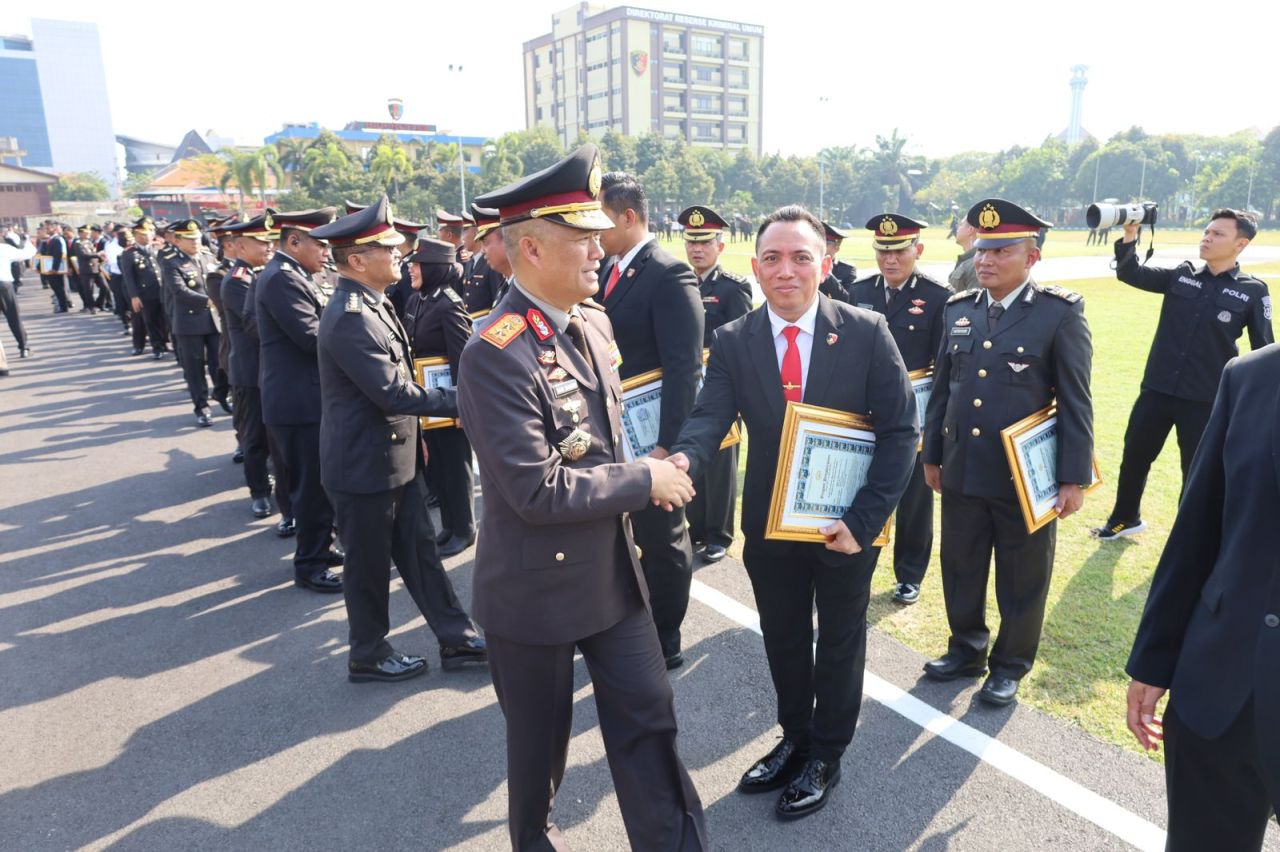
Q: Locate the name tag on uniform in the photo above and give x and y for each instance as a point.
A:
(866, 306)
(615, 357)
(960, 332)
(565, 388)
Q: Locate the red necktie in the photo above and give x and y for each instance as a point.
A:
(791, 388)
(614, 275)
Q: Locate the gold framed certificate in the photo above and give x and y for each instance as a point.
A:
(823, 460)
(1031, 445)
(431, 373)
(642, 414)
(921, 387)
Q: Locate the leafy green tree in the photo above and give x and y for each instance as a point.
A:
(500, 165)
(618, 151)
(537, 147)
(80, 186)
(389, 164)
(1037, 179)
(248, 170)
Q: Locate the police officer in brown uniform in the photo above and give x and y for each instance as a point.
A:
(912, 302)
(556, 571)
(439, 326)
(725, 297)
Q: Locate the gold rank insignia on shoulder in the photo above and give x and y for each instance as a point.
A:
(505, 329)
(575, 446)
(354, 303)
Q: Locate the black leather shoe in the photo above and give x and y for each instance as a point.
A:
(224, 402)
(456, 545)
(713, 553)
(442, 537)
(261, 507)
(325, 582)
(238, 456)
(809, 791)
(336, 556)
(999, 690)
(674, 661)
(26, 353)
(157, 355)
(951, 666)
(137, 350)
(395, 667)
(286, 528)
(202, 419)
(453, 657)
(775, 769)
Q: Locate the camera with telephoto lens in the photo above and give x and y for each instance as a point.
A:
(1113, 215)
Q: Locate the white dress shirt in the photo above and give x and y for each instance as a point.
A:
(9, 254)
(804, 340)
(113, 250)
(625, 260)
(1010, 299)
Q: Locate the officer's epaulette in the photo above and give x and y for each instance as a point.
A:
(241, 273)
(504, 329)
(921, 277)
(963, 294)
(355, 304)
(452, 296)
(1062, 293)
(592, 303)
(733, 276)
(866, 279)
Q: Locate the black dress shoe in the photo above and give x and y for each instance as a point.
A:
(325, 582)
(999, 690)
(951, 666)
(809, 791)
(713, 553)
(336, 556)
(24, 353)
(238, 457)
(137, 350)
(286, 528)
(225, 403)
(456, 545)
(202, 419)
(454, 657)
(261, 507)
(442, 537)
(395, 667)
(674, 661)
(775, 769)
(158, 354)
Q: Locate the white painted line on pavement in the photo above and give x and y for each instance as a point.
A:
(1100, 811)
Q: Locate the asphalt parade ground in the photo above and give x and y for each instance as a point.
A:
(164, 686)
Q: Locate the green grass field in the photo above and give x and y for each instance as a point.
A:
(1098, 589)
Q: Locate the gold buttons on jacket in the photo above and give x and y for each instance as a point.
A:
(977, 433)
(982, 374)
(977, 403)
(986, 344)
(559, 557)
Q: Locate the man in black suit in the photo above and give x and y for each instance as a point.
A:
(725, 297)
(655, 306)
(912, 302)
(196, 328)
(141, 271)
(834, 356)
(371, 455)
(1210, 633)
(286, 314)
(843, 272)
(556, 572)
(1010, 349)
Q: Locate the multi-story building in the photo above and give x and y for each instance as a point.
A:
(638, 70)
(54, 100)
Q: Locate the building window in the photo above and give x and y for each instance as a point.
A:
(737, 105)
(708, 75)
(738, 78)
(706, 131)
(738, 49)
(673, 42)
(539, 114)
(705, 103)
(737, 133)
(706, 45)
(672, 73)
(673, 101)
(673, 129)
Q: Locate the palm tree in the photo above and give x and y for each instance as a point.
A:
(500, 165)
(388, 163)
(893, 167)
(290, 152)
(248, 171)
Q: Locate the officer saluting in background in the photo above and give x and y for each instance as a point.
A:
(912, 302)
(371, 454)
(725, 297)
(556, 569)
(1009, 350)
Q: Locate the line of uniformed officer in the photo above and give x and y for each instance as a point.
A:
(836, 285)
(195, 323)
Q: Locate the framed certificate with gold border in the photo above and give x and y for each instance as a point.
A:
(431, 373)
(823, 460)
(642, 414)
(1031, 445)
(922, 387)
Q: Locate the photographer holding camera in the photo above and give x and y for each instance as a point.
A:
(1205, 311)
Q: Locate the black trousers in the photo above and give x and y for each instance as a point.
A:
(819, 694)
(972, 527)
(450, 477)
(58, 284)
(84, 287)
(9, 307)
(252, 434)
(103, 298)
(711, 511)
(377, 529)
(1219, 795)
(120, 299)
(198, 353)
(660, 808)
(1153, 415)
(667, 559)
(913, 529)
(152, 319)
(299, 447)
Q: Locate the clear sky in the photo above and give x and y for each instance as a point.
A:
(950, 76)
